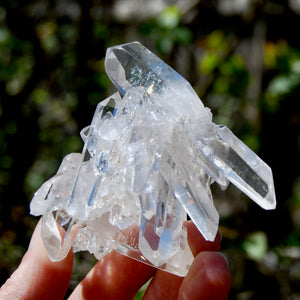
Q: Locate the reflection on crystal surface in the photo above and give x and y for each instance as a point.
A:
(148, 160)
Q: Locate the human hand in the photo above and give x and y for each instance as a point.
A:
(119, 277)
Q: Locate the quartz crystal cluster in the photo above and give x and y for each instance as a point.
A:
(149, 158)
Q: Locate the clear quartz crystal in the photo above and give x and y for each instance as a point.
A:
(149, 158)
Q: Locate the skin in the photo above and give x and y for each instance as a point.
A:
(119, 277)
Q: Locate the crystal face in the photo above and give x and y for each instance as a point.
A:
(149, 158)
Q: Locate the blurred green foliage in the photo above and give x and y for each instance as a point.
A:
(167, 30)
(52, 77)
(256, 245)
(285, 60)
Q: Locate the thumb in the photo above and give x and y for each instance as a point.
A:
(37, 277)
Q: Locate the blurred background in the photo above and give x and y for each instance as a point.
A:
(241, 56)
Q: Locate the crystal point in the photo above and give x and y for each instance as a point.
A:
(149, 158)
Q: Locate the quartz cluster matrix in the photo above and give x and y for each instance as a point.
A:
(149, 158)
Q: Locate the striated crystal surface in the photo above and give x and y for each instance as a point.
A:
(149, 158)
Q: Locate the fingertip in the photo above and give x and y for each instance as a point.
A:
(208, 278)
(163, 285)
(38, 250)
(198, 243)
(115, 276)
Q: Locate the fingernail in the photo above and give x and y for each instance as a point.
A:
(224, 256)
